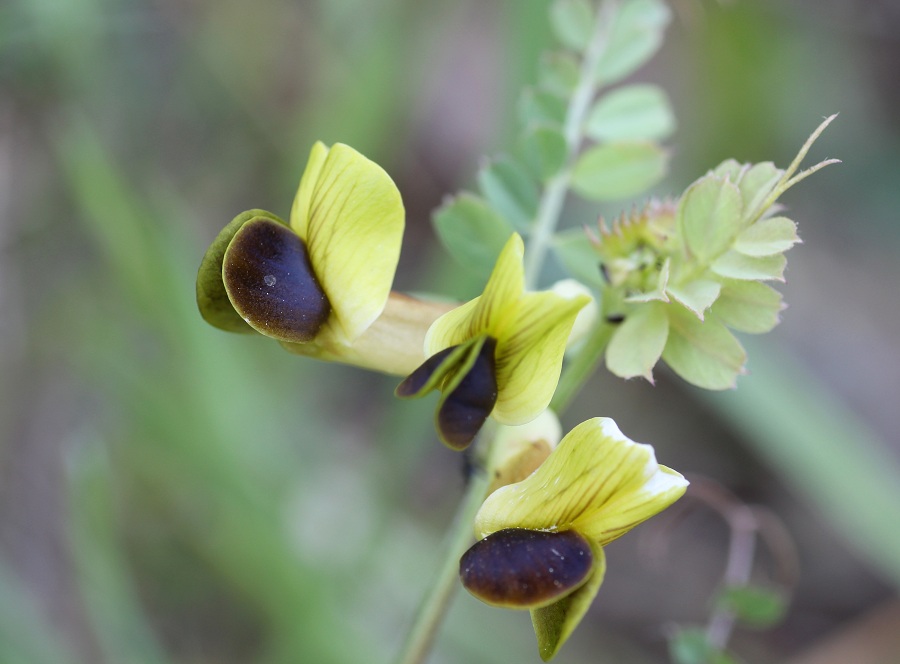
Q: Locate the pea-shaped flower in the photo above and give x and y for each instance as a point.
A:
(541, 539)
(325, 276)
(499, 354)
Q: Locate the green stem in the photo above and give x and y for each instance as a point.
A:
(554, 194)
(582, 366)
(436, 603)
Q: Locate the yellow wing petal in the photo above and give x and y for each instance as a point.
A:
(598, 482)
(530, 349)
(354, 234)
(451, 329)
(300, 207)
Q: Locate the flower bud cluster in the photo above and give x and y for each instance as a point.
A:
(680, 276)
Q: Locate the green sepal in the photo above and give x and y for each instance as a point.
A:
(554, 624)
(510, 189)
(472, 231)
(731, 169)
(545, 150)
(704, 353)
(638, 342)
(735, 265)
(635, 35)
(697, 295)
(618, 170)
(572, 22)
(632, 112)
(659, 292)
(756, 184)
(212, 298)
(709, 216)
(748, 306)
(766, 237)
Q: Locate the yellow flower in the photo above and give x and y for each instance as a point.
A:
(541, 540)
(323, 277)
(499, 354)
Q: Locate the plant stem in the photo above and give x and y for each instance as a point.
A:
(582, 366)
(436, 603)
(743, 525)
(554, 194)
(741, 551)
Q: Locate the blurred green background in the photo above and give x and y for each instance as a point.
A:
(173, 494)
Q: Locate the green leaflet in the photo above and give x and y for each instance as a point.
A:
(635, 35)
(754, 606)
(618, 170)
(633, 112)
(544, 150)
(509, 188)
(558, 72)
(541, 107)
(472, 232)
(572, 22)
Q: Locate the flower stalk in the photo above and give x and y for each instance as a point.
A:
(439, 597)
(581, 366)
(393, 344)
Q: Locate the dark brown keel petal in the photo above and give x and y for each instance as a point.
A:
(212, 298)
(271, 284)
(464, 409)
(419, 381)
(526, 569)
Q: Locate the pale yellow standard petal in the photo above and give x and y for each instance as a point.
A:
(354, 233)
(486, 312)
(531, 342)
(598, 482)
(554, 624)
(300, 207)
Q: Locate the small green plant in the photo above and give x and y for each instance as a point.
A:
(671, 280)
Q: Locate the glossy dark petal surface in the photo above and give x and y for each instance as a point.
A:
(520, 568)
(271, 284)
(463, 411)
(413, 384)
